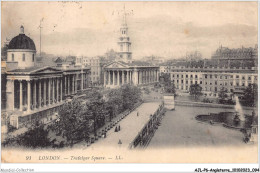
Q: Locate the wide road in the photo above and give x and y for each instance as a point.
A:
(179, 128)
(130, 126)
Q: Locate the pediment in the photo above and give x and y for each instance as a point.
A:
(116, 65)
(46, 70)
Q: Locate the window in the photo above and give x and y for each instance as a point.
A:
(237, 84)
(210, 76)
(249, 78)
(191, 76)
(177, 75)
(225, 77)
(196, 82)
(12, 57)
(206, 76)
(191, 82)
(177, 81)
(231, 83)
(181, 81)
(243, 77)
(216, 76)
(181, 76)
(216, 82)
(32, 57)
(23, 57)
(231, 77)
(200, 82)
(237, 76)
(220, 77)
(186, 82)
(196, 76)
(206, 83)
(186, 76)
(173, 75)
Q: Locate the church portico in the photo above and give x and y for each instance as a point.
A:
(117, 74)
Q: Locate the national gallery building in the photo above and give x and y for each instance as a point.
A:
(34, 94)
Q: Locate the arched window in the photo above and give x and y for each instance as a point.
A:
(12, 57)
(23, 57)
(32, 57)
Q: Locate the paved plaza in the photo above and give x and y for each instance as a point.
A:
(179, 128)
(130, 126)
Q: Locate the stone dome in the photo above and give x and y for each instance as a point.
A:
(22, 41)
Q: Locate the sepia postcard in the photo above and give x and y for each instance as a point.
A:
(129, 82)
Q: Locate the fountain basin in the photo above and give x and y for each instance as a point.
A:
(228, 119)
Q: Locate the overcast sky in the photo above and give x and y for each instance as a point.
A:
(167, 29)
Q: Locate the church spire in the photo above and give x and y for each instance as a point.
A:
(124, 17)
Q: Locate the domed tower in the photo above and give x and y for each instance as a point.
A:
(124, 52)
(21, 51)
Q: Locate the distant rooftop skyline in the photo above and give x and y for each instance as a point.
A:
(165, 29)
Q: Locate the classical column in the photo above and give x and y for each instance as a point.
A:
(127, 76)
(131, 79)
(29, 96)
(141, 77)
(61, 89)
(118, 81)
(105, 78)
(57, 89)
(65, 85)
(49, 91)
(44, 92)
(82, 81)
(72, 86)
(53, 91)
(109, 78)
(34, 94)
(157, 76)
(123, 77)
(40, 93)
(21, 95)
(114, 78)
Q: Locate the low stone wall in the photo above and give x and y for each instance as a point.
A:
(211, 105)
(145, 135)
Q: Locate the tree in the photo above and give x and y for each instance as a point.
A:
(130, 95)
(223, 93)
(170, 88)
(73, 122)
(195, 90)
(250, 95)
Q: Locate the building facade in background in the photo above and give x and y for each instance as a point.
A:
(213, 79)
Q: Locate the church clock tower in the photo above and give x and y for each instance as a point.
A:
(124, 44)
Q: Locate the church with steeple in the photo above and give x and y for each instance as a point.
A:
(124, 70)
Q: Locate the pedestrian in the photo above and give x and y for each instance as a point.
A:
(137, 114)
(118, 127)
(119, 142)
